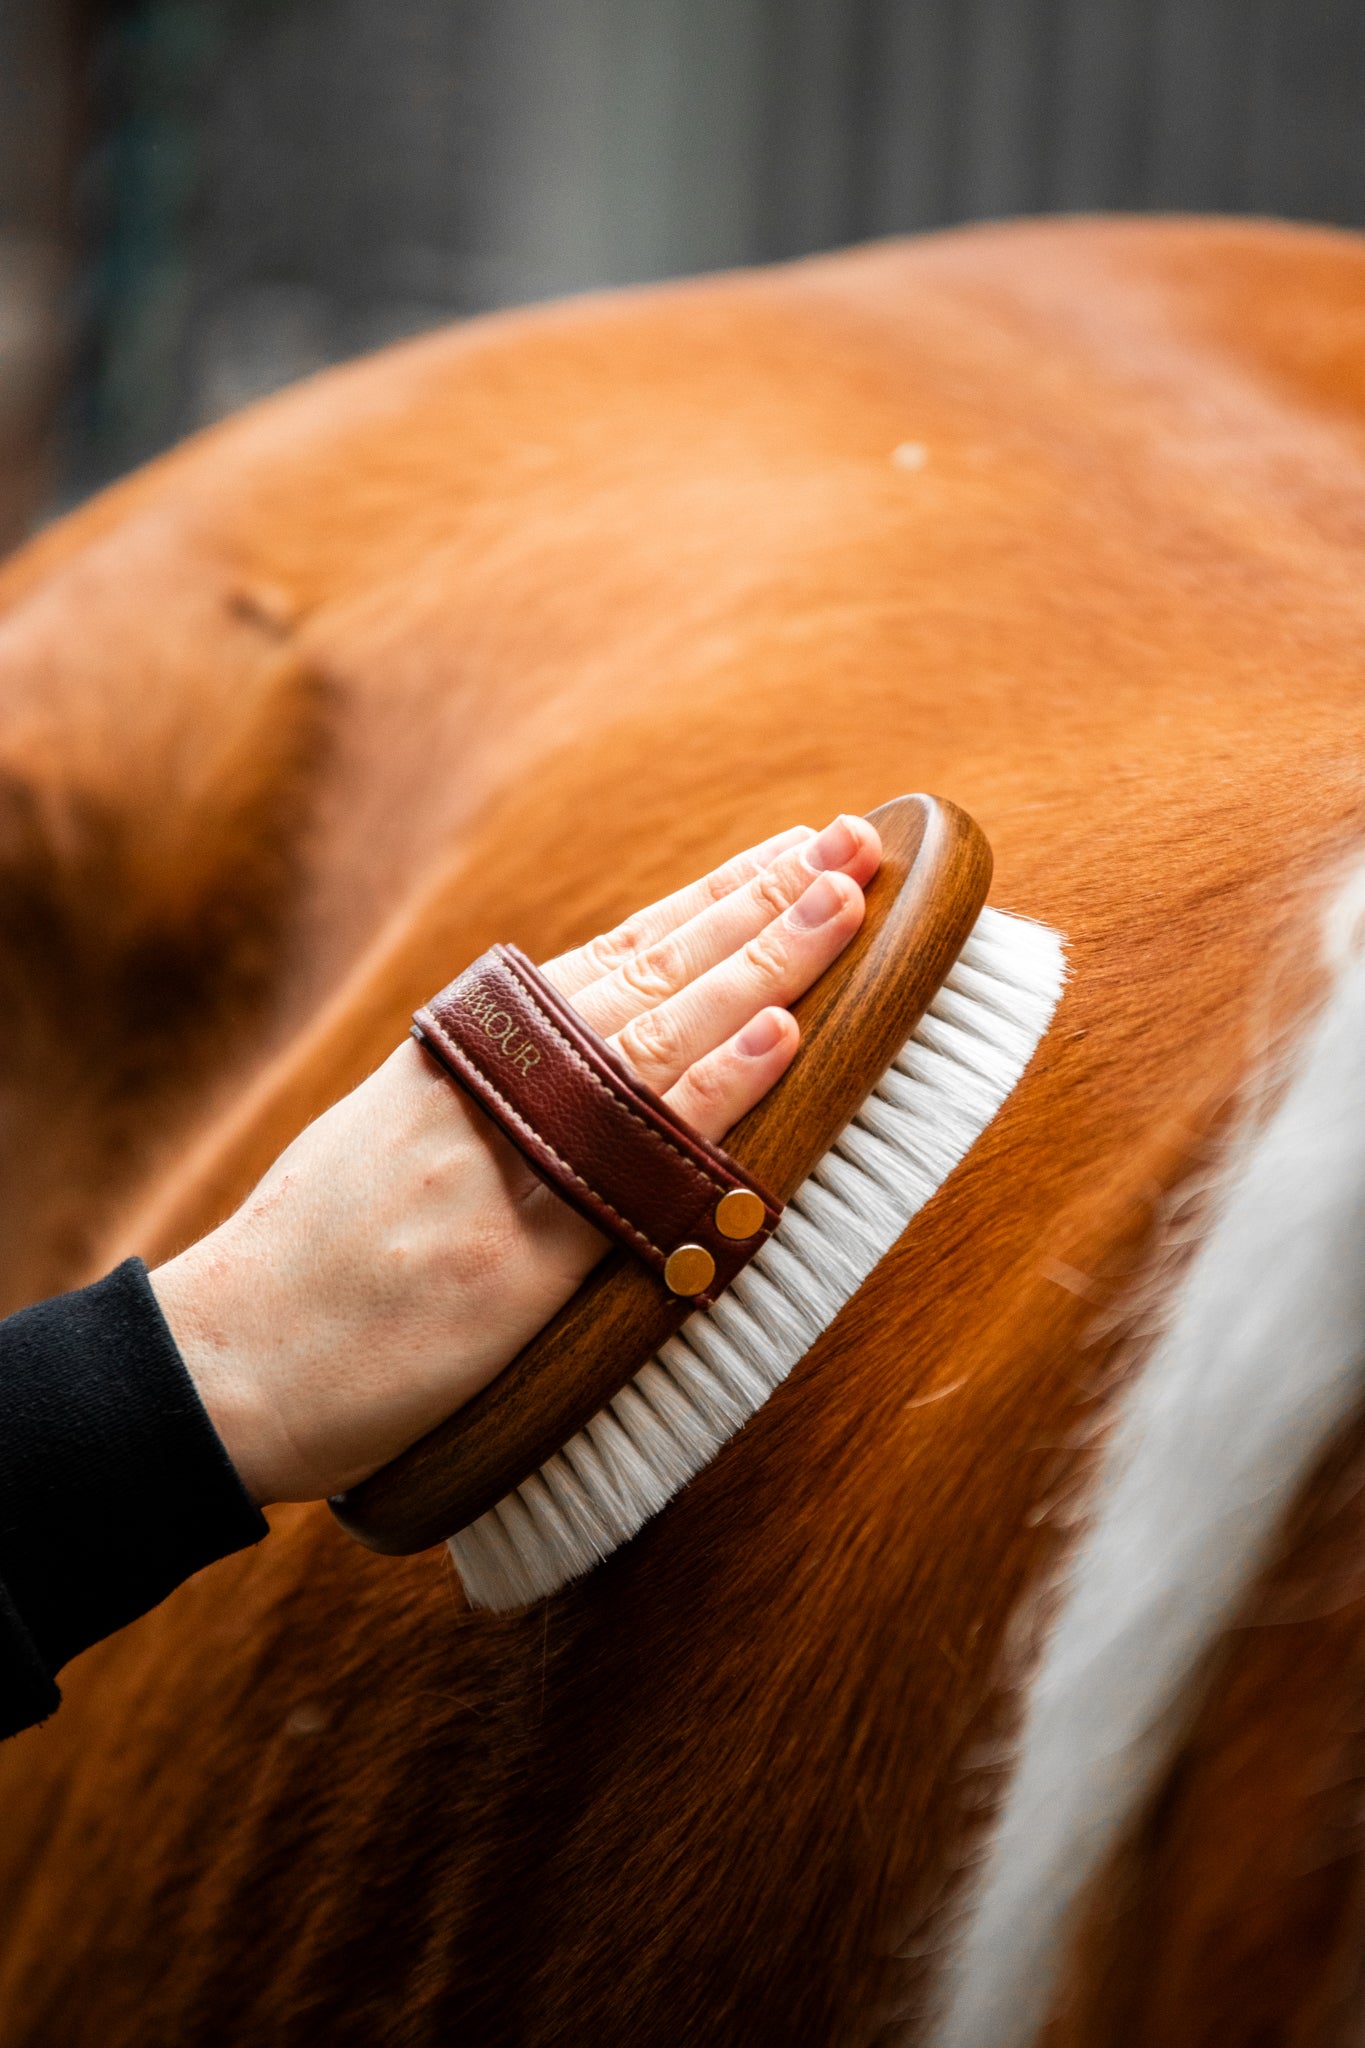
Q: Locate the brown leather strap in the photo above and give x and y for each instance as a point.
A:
(599, 1137)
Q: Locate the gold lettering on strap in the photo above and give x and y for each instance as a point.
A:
(503, 1031)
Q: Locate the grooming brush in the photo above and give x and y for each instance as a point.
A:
(910, 1043)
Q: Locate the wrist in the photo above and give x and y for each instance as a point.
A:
(194, 1294)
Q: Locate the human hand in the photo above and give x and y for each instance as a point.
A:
(400, 1252)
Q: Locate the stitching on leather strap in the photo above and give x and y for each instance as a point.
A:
(503, 984)
(708, 1183)
(458, 1053)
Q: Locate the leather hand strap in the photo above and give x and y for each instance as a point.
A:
(599, 1137)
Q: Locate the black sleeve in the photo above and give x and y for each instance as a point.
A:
(114, 1485)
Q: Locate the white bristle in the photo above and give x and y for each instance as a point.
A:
(921, 1119)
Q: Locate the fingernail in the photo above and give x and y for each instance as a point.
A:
(760, 1034)
(835, 845)
(767, 853)
(818, 905)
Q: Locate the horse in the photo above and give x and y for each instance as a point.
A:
(496, 635)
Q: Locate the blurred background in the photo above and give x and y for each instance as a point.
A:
(203, 199)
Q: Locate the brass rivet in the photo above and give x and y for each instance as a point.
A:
(690, 1269)
(739, 1214)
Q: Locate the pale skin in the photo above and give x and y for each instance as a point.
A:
(399, 1253)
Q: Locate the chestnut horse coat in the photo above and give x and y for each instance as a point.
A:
(496, 636)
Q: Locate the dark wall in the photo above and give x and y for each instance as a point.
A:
(273, 184)
(39, 61)
(906, 113)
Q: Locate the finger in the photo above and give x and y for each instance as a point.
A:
(574, 971)
(849, 846)
(715, 1092)
(786, 957)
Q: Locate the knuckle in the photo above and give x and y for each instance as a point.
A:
(610, 949)
(771, 892)
(650, 1042)
(655, 973)
(723, 881)
(765, 957)
(708, 1084)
